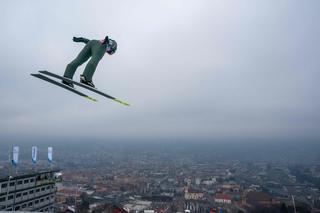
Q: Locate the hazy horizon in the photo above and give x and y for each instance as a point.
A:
(294, 152)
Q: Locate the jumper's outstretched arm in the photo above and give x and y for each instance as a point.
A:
(80, 39)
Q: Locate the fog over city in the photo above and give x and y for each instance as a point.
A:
(190, 69)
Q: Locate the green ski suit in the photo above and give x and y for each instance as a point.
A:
(94, 49)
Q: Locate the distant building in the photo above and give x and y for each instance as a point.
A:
(209, 182)
(116, 209)
(29, 192)
(64, 193)
(107, 208)
(212, 211)
(198, 181)
(222, 198)
(231, 187)
(193, 194)
(158, 198)
(148, 211)
(188, 181)
(259, 198)
(137, 206)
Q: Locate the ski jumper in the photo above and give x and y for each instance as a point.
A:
(94, 49)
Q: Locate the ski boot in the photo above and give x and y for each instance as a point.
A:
(84, 80)
(67, 83)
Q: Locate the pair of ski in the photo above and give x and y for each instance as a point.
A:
(43, 76)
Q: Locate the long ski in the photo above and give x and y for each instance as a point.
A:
(42, 77)
(45, 72)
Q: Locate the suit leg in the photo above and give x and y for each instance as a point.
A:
(98, 52)
(82, 57)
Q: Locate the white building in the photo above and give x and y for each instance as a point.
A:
(198, 181)
(192, 194)
(222, 198)
(209, 182)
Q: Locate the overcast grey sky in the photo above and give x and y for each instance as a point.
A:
(190, 69)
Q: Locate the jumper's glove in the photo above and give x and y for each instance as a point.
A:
(76, 39)
(80, 39)
(106, 40)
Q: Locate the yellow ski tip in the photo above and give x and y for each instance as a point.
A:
(122, 102)
(91, 99)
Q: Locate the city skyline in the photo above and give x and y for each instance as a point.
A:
(174, 179)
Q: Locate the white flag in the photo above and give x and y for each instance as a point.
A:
(50, 154)
(15, 155)
(34, 154)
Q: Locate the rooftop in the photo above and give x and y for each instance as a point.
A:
(222, 196)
